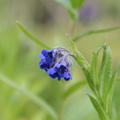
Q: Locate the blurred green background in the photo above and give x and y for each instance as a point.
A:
(19, 59)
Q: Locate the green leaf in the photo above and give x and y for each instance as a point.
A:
(109, 93)
(91, 32)
(94, 68)
(105, 70)
(76, 3)
(29, 35)
(37, 100)
(73, 88)
(111, 82)
(90, 80)
(98, 108)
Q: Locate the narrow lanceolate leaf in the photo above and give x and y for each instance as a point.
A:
(111, 82)
(91, 32)
(29, 35)
(109, 93)
(98, 108)
(89, 80)
(94, 68)
(105, 70)
(73, 88)
(77, 3)
(37, 100)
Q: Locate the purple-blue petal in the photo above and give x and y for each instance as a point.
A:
(41, 56)
(67, 76)
(52, 72)
(54, 64)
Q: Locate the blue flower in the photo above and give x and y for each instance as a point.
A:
(62, 69)
(53, 73)
(56, 63)
(47, 59)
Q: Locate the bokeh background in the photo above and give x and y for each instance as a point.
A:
(49, 21)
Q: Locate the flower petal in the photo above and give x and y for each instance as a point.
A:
(52, 72)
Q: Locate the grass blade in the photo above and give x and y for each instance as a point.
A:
(29, 35)
(39, 101)
(95, 32)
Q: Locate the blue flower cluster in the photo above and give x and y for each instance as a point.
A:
(56, 63)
